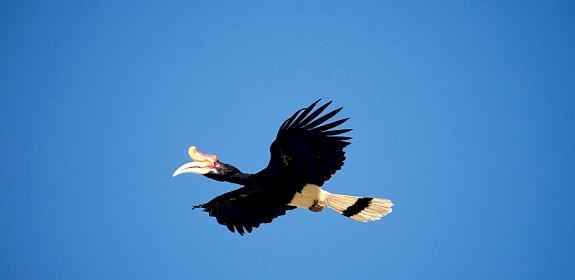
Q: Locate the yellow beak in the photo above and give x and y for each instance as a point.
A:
(200, 164)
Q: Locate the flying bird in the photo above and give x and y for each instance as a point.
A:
(307, 151)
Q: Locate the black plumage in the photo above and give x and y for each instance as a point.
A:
(306, 150)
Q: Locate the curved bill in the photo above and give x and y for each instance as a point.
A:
(195, 167)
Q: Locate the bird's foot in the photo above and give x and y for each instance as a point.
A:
(316, 206)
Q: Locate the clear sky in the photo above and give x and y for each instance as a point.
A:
(463, 114)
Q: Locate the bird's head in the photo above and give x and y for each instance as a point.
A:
(207, 165)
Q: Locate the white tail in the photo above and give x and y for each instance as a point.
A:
(363, 209)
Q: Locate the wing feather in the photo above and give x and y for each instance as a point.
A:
(290, 120)
(306, 150)
(323, 119)
(314, 114)
(337, 131)
(244, 209)
(329, 126)
(304, 114)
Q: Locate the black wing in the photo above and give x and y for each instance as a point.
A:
(245, 208)
(306, 150)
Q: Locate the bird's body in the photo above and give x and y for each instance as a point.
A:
(304, 155)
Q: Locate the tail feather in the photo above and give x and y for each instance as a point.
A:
(363, 209)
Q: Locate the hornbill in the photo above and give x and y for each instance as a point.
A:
(304, 155)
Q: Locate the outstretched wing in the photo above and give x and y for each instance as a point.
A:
(245, 208)
(307, 149)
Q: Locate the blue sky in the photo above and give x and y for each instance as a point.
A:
(463, 114)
